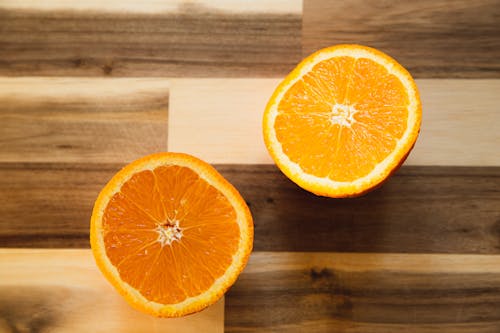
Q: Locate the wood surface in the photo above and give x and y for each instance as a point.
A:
(51, 201)
(63, 291)
(458, 126)
(88, 86)
(106, 38)
(431, 38)
(419, 210)
(82, 120)
(366, 293)
(205, 38)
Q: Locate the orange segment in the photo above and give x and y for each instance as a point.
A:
(170, 234)
(343, 120)
(141, 190)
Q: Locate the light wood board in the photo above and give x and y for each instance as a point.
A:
(155, 7)
(63, 291)
(220, 120)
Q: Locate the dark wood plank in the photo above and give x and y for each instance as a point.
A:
(49, 204)
(419, 210)
(365, 293)
(430, 38)
(82, 120)
(192, 40)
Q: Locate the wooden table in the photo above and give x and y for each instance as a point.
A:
(86, 87)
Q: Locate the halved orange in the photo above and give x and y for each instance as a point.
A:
(170, 234)
(343, 120)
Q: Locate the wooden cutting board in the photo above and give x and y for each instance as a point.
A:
(86, 87)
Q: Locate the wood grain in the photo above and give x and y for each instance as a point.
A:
(319, 263)
(419, 210)
(63, 291)
(151, 7)
(82, 120)
(443, 38)
(49, 204)
(183, 38)
(368, 293)
(228, 124)
(460, 121)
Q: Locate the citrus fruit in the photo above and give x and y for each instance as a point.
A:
(343, 120)
(170, 234)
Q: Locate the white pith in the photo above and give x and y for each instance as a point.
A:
(343, 115)
(169, 232)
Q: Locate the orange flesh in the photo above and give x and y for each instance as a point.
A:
(186, 267)
(346, 113)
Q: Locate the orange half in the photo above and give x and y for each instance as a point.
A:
(170, 234)
(343, 120)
